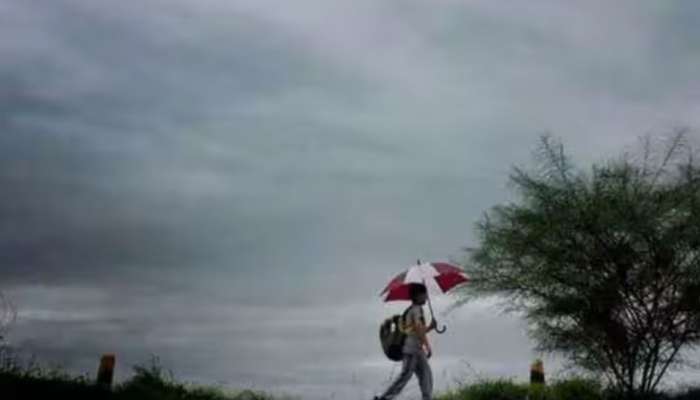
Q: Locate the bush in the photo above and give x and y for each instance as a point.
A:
(498, 389)
(539, 392)
(568, 389)
(151, 382)
(576, 388)
(29, 380)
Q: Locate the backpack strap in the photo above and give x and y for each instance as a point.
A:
(403, 316)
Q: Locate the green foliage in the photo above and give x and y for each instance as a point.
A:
(29, 380)
(576, 388)
(504, 389)
(539, 392)
(567, 389)
(498, 389)
(605, 265)
(150, 381)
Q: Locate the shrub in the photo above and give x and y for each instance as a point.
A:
(576, 388)
(29, 380)
(498, 389)
(688, 394)
(539, 392)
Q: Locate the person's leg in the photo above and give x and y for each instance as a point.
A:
(425, 376)
(407, 369)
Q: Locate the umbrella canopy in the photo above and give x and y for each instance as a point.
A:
(445, 276)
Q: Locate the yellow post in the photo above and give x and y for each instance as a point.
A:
(105, 374)
(537, 372)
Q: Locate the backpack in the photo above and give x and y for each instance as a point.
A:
(392, 336)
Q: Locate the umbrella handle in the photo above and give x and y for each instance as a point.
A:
(439, 330)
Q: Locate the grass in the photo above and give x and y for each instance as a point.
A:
(148, 382)
(568, 389)
(151, 382)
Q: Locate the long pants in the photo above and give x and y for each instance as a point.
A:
(413, 363)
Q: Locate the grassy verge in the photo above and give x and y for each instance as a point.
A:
(151, 382)
(569, 389)
(148, 382)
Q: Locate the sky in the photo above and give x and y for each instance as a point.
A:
(228, 184)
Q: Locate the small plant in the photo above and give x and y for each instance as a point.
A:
(539, 392)
(576, 388)
(498, 389)
(151, 382)
(28, 379)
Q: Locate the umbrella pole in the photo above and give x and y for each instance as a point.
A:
(432, 314)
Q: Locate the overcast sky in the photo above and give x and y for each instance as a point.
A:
(229, 184)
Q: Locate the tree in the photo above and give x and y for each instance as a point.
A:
(604, 265)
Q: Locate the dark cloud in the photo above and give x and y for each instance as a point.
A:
(115, 172)
(208, 181)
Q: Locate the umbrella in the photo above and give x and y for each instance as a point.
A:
(444, 275)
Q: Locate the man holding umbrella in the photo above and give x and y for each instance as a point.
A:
(410, 285)
(416, 348)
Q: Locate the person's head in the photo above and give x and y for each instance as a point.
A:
(418, 293)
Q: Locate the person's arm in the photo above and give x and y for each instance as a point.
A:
(432, 326)
(422, 331)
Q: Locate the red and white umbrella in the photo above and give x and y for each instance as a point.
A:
(444, 276)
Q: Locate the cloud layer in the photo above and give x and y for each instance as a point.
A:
(230, 183)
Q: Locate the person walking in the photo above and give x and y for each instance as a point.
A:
(416, 348)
